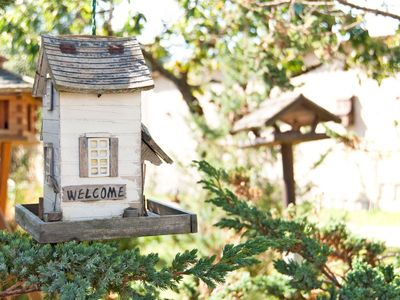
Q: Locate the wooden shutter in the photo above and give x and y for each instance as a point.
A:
(113, 157)
(83, 157)
(49, 96)
(48, 160)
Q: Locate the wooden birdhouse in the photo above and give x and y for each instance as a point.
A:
(293, 119)
(18, 123)
(18, 109)
(95, 145)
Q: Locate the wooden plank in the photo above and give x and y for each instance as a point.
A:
(41, 208)
(29, 221)
(46, 232)
(5, 156)
(163, 208)
(193, 223)
(94, 192)
(114, 228)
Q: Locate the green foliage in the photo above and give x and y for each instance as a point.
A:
(93, 270)
(328, 263)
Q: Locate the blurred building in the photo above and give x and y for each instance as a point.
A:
(363, 177)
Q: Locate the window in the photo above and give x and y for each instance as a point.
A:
(99, 157)
(4, 108)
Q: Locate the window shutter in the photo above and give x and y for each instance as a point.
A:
(113, 157)
(52, 92)
(48, 160)
(83, 157)
(49, 96)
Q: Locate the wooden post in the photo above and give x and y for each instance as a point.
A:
(5, 156)
(288, 174)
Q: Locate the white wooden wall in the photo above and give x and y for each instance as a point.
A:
(116, 114)
(51, 134)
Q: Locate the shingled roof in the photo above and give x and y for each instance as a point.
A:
(11, 82)
(92, 64)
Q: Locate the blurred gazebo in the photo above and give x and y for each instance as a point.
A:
(293, 119)
(18, 119)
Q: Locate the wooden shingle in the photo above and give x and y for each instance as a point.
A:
(92, 64)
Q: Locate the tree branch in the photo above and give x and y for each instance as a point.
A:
(17, 292)
(329, 3)
(180, 82)
(370, 10)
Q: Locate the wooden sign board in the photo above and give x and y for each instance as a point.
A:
(94, 192)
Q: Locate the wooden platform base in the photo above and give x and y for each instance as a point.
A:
(163, 219)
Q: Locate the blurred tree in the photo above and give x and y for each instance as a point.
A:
(313, 262)
(93, 271)
(244, 44)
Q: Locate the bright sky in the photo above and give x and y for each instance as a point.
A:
(158, 12)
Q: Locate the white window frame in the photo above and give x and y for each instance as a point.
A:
(94, 155)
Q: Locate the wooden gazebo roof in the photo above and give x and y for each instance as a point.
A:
(293, 109)
(11, 82)
(92, 64)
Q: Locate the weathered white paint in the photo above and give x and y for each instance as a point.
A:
(51, 134)
(115, 114)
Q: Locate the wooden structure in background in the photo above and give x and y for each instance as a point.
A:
(301, 117)
(18, 119)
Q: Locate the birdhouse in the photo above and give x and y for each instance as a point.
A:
(18, 120)
(18, 109)
(95, 146)
(293, 119)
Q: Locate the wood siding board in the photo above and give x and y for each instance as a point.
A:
(94, 118)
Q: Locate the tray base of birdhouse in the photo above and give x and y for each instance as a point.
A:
(161, 220)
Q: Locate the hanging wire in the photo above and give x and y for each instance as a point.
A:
(93, 17)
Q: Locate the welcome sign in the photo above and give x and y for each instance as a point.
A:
(94, 192)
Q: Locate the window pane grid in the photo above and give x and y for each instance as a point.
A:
(99, 157)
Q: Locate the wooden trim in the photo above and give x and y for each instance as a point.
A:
(83, 157)
(284, 137)
(154, 224)
(5, 149)
(113, 157)
(51, 101)
(151, 143)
